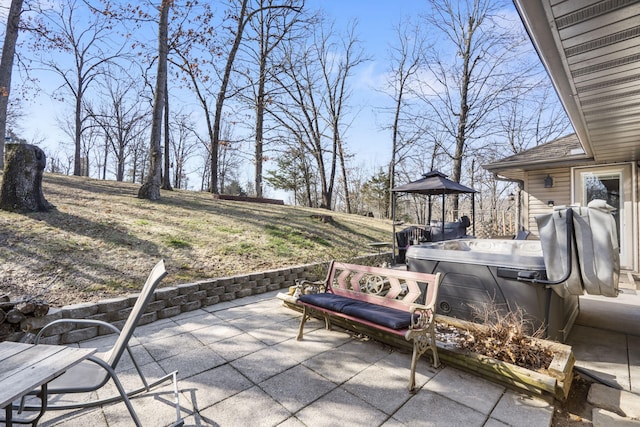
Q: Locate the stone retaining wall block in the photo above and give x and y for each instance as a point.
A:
(79, 311)
(210, 300)
(243, 293)
(148, 318)
(77, 335)
(167, 293)
(113, 304)
(155, 306)
(169, 312)
(179, 300)
(188, 288)
(190, 306)
(217, 291)
(198, 295)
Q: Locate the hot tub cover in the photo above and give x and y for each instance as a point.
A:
(595, 257)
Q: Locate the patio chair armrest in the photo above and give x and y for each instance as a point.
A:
(76, 321)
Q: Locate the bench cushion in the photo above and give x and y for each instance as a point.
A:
(384, 316)
(326, 300)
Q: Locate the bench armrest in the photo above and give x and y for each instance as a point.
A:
(425, 319)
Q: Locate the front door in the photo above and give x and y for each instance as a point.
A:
(613, 184)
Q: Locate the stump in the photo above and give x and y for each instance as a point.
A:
(21, 189)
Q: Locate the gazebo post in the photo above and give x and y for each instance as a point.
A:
(443, 212)
(393, 227)
(473, 213)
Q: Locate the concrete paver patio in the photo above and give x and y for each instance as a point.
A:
(239, 364)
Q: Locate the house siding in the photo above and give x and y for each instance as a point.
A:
(537, 196)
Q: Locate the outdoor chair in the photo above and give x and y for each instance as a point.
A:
(93, 373)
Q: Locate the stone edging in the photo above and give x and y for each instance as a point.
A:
(171, 301)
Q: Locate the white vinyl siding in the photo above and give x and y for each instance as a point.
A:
(537, 196)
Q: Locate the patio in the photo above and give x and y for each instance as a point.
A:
(239, 364)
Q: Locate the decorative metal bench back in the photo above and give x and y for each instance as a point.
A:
(393, 288)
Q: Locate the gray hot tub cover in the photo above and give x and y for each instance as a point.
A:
(595, 255)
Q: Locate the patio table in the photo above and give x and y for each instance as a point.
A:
(26, 367)
(380, 245)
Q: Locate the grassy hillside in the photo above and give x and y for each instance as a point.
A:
(101, 240)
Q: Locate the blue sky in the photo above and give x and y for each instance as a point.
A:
(375, 26)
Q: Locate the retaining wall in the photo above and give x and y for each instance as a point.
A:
(171, 301)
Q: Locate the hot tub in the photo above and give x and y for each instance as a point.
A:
(485, 271)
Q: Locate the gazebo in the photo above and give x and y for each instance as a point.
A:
(432, 183)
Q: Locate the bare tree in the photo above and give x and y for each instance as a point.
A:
(530, 116)
(183, 145)
(6, 67)
(298, 113)
(312, 110)
(228, 155)
(122, 119)
(407, 59)
(150, 189)
(85, 36)
(463, 90)
(336, 71)
(194, 52)
(243, 16)
(269, 28)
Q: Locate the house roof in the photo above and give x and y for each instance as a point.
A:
(564, 151)
(590, 50)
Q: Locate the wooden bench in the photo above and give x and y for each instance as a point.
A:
(389, 301)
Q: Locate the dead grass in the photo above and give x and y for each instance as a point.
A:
(101, 240)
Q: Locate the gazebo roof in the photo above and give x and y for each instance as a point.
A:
(433, 183)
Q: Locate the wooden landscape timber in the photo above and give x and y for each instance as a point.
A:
(247, 199)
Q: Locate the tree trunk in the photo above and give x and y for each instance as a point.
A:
(463, 113)
(22, 181)
(78, 169)
(166, 178)
(259, 149)
(6, 65)
(347, 197)
(222, 94)
(151, 188)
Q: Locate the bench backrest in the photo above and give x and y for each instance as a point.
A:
(383, 286)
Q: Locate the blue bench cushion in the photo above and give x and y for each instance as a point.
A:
(328, 301)
(380, 315)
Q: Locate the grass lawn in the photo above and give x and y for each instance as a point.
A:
(102, 241)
